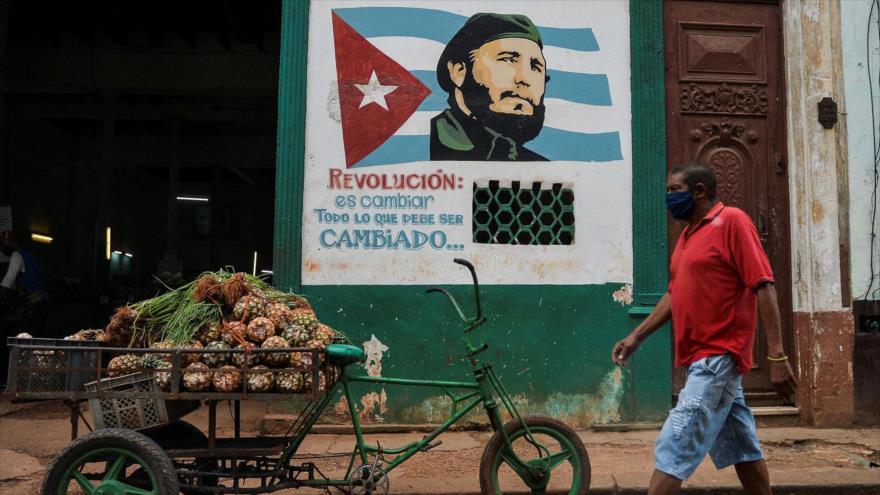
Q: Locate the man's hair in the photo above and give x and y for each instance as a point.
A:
(697, 173)
(477, 31)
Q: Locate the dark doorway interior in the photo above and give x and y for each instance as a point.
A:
(113, 110)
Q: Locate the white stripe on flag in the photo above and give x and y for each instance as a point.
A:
(561, 114)
(422, 54)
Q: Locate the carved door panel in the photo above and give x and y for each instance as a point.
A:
(724, 98)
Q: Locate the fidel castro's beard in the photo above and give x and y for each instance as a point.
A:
(520, 128)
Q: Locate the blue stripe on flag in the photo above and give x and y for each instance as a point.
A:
(589, 89)
(439, 25)
(556, 144)
(399, 149)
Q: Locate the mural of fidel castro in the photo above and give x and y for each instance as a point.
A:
(495, 73)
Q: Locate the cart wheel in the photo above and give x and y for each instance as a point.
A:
(560, 455)
(101, 463)
(180, 433)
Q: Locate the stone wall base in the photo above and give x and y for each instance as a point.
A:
(824, 350)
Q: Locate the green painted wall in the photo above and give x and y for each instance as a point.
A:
(551, 344)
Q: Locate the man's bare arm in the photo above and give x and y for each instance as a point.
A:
(781, 373)
(661, 313)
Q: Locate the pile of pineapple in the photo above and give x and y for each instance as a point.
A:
(234, 313)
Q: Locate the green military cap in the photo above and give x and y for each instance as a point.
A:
(479, 30)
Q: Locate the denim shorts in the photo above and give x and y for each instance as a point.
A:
(711, 417)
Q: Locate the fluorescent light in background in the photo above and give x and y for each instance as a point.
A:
(129, 255)
(254, 272)
(267, 272)
(107, 238)
(43, 239)
(203, 199)
(117, 253)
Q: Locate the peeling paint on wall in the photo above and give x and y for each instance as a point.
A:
(375, 405)
(333, 108)
(579, 410)
(374, 349)
(586, 409)
(624, 295)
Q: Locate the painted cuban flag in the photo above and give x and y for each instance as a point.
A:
(386, 63)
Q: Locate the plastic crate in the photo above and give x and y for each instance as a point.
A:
(135, 413)
(52, 373)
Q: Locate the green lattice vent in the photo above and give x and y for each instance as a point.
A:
(526, 214)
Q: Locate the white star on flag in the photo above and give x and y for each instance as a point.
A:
(374, 92)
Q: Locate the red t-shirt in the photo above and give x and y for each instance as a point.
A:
(716, 268)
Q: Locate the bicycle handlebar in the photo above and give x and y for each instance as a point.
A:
(465, 319)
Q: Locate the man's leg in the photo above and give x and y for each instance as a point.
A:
(663, 484)
(754, 477)
(737, 444)
(692, 426)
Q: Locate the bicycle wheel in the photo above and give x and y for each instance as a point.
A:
(566, 457)
(103, 462)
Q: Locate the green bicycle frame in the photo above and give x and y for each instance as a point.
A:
(484, 390)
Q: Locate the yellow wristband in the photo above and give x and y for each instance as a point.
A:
(777, 359)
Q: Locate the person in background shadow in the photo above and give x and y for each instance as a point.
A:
(23, 276)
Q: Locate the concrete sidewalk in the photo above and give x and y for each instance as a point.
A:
(801, 460)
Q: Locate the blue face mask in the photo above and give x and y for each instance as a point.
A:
(681, 204)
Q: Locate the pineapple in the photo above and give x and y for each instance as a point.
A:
(275, 359)
(304, 317)
(301, 360)
(189, 358)
(209, 332)
(297, 335)
(216, 359)
(239, 358)
(123, 365)
(154, 362)
(289, 382)
(197, 377)
(322, 382)
(294, 301)
(261, 381)
(259, 329)
(87, 335)
(316, 344)
(118, 332)
(247, 308)
(279, 314)
(164, 345)
(324, 334)
(227, 379)
(234, 333)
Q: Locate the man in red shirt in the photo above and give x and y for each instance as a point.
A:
(719, 282)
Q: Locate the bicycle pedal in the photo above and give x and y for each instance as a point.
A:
(431, 446)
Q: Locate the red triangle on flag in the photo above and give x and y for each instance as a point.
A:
(376, 94)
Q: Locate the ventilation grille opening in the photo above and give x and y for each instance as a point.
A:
(526, 214)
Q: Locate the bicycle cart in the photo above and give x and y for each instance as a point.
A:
(144, 448)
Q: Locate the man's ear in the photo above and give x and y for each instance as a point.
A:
(699, 190)
(457, 72)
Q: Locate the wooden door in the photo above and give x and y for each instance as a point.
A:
(725, 108)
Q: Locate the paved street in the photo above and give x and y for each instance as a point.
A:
(801, 460)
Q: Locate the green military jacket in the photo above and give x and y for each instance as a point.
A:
(454, 136)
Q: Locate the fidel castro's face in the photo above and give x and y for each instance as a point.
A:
(513, 70)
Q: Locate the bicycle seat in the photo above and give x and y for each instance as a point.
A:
(344, 354)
